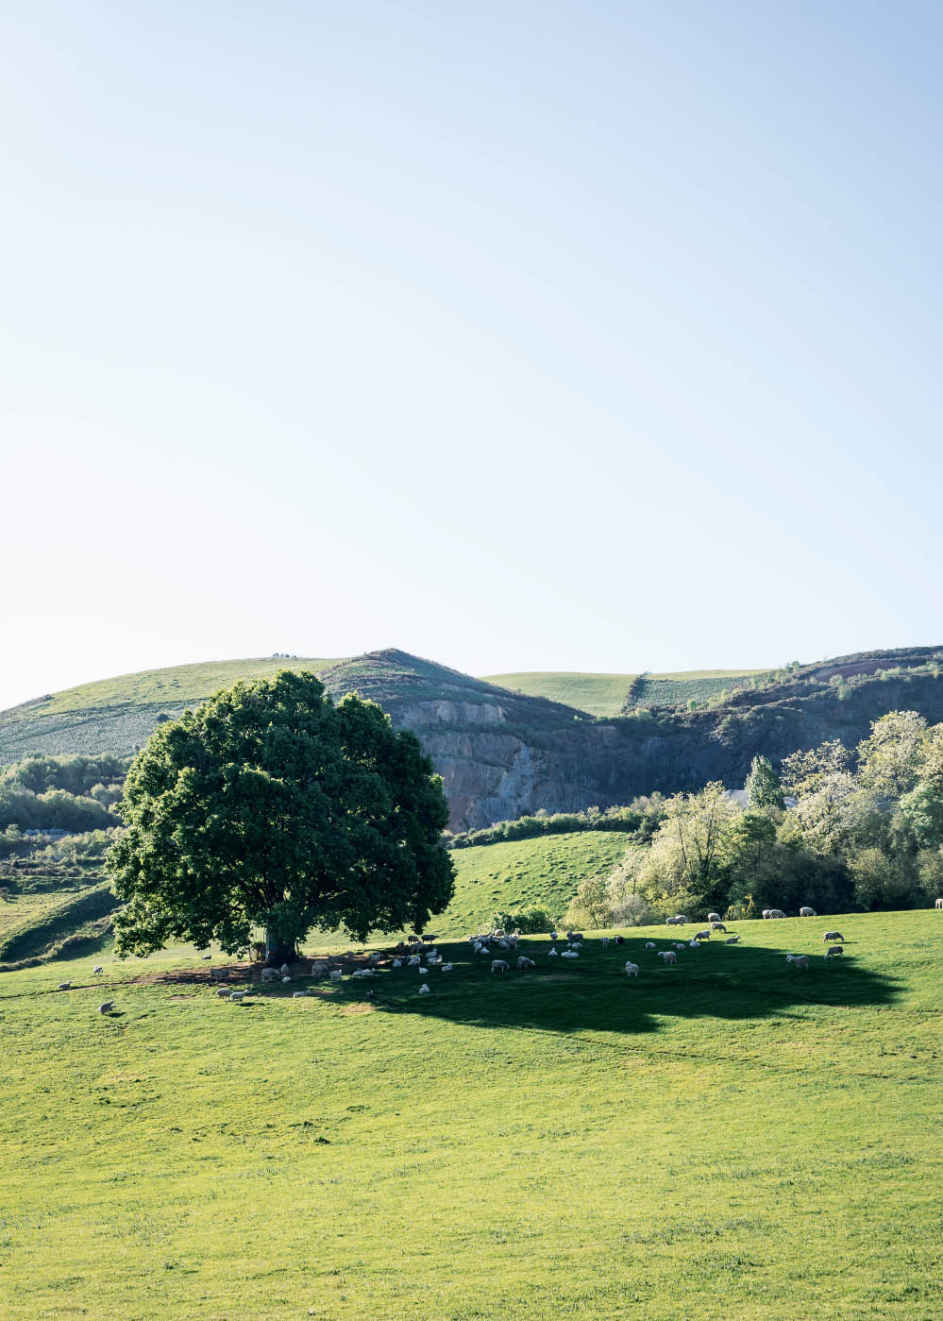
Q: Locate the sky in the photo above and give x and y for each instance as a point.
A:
(558, 336)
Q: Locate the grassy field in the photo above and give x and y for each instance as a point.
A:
(728, 1140)
(605, 694)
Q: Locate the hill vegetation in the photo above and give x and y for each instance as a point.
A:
(712, 1141)
(608, 695)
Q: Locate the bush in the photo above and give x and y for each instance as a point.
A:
(533, 922)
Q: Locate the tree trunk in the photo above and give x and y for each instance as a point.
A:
(278, 950)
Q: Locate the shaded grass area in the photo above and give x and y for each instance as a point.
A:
(729, 1139)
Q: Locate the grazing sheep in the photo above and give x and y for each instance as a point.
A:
(569, 954)
(631, 969)
(833, 950)
(718, 926)
(799, 960)
(833, 935)
(649, 944)
(679, 920)
(773, 912)
(523, 963)
(668, 955)
(714, 917)
(106, 1006)
(424, 989)
(703, 935)
(65, 986)
(806, 911)
(335, 974)
(551, 953)
(237, 995)
(500, 967)
(97, 972)
(938, 904)
(222, 992)
(767, 912)
(732, 940)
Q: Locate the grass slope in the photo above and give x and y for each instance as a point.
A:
(523, 874)
(605, 694)
(729, 1140)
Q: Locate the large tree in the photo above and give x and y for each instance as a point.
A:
(271, 808)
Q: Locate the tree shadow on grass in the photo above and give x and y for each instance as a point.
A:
(594, 993)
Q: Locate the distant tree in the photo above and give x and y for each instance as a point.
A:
(269, 807)
(889, 760)
(763, 786)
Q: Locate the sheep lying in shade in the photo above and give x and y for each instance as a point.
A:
(693, 944)
(798, 960)
(631, 969)
(552, 953)
(368, 972)
(833, 935)
(397, 963)
(806, 911)
(269, 975)
(423, 972)
(414, 961)
(569, 954)
(668, 955)
(447, 967)
(649, 944)
(833, 950)
(424, 989)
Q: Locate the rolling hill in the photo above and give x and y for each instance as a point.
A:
(612, 694)
(503, 753)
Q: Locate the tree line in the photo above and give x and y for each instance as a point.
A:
(834, 829)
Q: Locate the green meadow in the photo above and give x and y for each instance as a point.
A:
(605, 694)
(730, 1138)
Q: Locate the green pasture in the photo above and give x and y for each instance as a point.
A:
(730, 1139)
(605, 694)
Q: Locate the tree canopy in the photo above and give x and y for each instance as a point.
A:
(270, 807)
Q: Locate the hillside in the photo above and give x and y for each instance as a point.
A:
(503, 754)
(611, 694)
(711, 1141)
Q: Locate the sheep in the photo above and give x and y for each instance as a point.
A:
(285, 980)
(668, 955)
(773, 912)
(650, 944)
(397, 963)
(605, 942)
(692, 944)
(65, 986)
(504, 944)
(682, 944)
(424, 989)
(423, 972)
(573, 936)
(620, 940)
(106, 1006)
(732, 940)
(237, 995)
(631, 969)
(447, 967)
(206, 956)
(554, 935)
(938, 904)
(799, 960)
(703, 935)
(569, 954)
(551, 952)
(833, 950)
(714, 917)
(269, 975)
(97, 972)
(368, 972)
(679, 920)
(524, 963)
(833, 935)
(500, 966)
(806, 911)
(335, 974)
(718, 926)
(295, 995)
(413, 961)
(285, 971)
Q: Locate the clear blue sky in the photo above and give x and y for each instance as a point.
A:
(520, 336)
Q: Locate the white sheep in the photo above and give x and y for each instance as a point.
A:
(679, 920)
(269, 975)
(668, 955)
(447, 967)
(833, 935)
(524, 963)
(335, 974)
(806, 911)
(237, 995)
(554, 935)
(551, 953)
(286, 979)
(938, 904)
(397, 963)
(500, 966)
(682, 944)
(631, 969)
(733, 940)
(368, 972)
(569, 954)
(714, 917)
(718, 926)
(414, 961)
(222, 992)
(799, 960)
(649, 944)
(693, 944)
(773, 912)
(424, 989)
(299, 995)
(423, 972)
(833, 950)
(703, 935)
